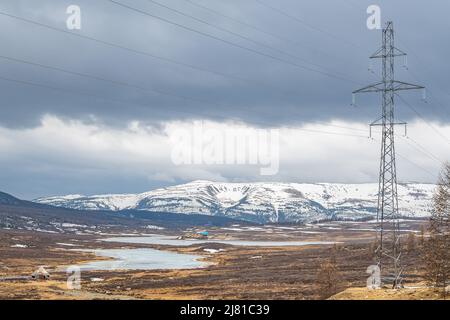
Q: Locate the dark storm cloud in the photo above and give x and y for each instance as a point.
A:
(269, 92)
(63, 133)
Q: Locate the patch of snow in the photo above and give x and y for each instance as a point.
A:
(233, 229)
(44, 231)
(311, 232)
(19, 246)
(66, 244)
(97, 279)
(212, 250)
(152, 227)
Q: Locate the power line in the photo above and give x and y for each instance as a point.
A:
(127, 49)
(412, 108)
(122, 47)
(241, 36)
(426, 65)
(78, 93)
(143, 53)
(139, 52)
(411, 162)
(339, 126)
(116, 82)
(126, 84)
(417, 112)
(126, 102)
(416, 165)
(287, 62)
(263, 31)
(429, 92)
(304, 23)
(214, 37)
(423, 150)
(419, 147)
(421, 117)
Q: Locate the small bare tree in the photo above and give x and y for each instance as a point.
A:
(373, 246)
(422, 235)
(411, 242)
(437, 247)
(328, 276)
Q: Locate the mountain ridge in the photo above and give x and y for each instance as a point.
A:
(18, 214)
(261, 202)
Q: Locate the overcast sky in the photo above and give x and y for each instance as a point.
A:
(61, 132)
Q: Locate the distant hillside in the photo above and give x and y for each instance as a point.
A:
(260, 202)
(7, 199)
(25, 215)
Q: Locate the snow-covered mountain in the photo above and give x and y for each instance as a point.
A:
(260, 202)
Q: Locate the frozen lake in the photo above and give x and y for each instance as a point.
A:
(150, 259)
(142, 259)
(168, 240)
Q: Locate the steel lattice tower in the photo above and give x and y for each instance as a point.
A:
(389, 250)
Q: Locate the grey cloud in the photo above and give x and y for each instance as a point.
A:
(276, 93)
(259, 90)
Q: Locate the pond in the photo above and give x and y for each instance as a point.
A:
(142, 259)
(168, 240)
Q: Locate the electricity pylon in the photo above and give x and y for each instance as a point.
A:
(389, 250)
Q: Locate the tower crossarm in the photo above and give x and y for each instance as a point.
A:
(400, 85)
(376, 87)
(395, 53)
(396, 85)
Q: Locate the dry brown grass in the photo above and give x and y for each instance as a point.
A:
(412, 293)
